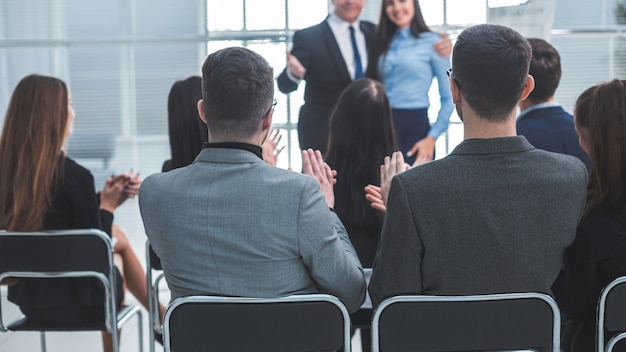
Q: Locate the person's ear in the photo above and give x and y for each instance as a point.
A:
(456, 92)
(528, 88)
(201, 110)
(267, 120)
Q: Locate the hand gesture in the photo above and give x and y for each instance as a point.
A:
(113, 193)
(444, 46)
(132, 185)
(295, 67)
(425, 149)
(392, 166)
(313, 165)
(270, 147)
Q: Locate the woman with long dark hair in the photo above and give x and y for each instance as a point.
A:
(404, 59)
(361, 135)
(598, 254)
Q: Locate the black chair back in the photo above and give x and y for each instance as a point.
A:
(315, 322)
(520, 321)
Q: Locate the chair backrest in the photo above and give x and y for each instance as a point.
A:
(611, 312)
(313, 322)
(515, 321)
(63, 253)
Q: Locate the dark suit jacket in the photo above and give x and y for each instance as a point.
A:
(552, 129)
(326, 77)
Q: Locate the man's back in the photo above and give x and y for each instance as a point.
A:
(494, 216)
(551, 128)
(231, 225)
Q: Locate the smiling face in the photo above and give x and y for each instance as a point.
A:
(400, 12)
(348, 10)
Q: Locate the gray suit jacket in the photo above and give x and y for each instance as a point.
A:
(229, 224)
(494, 216)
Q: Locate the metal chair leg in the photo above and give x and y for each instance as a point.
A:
(42, 338)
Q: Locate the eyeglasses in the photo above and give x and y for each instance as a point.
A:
(274, 102)
(452, 76)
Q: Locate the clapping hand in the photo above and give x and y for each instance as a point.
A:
(378, 195)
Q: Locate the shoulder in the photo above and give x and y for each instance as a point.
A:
(314, 30)
(367, 26)
(72, 170)
(429, 37)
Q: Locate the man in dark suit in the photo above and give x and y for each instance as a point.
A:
(542, 121)
(323, 55)
(496, 214)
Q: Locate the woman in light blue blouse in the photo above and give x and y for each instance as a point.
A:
(407, 62)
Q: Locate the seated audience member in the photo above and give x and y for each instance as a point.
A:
(598, 254)
(187, 132)
(542, 121)
(361, 134)
(229, 224)
(43, 189)
(494, 215)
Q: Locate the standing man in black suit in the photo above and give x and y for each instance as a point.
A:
(542, 121)
(324, 56)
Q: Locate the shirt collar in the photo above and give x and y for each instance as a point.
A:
(549, 104)
(258, 151)
(404, 32)
(337, 21)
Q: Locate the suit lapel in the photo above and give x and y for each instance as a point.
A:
(334, 52)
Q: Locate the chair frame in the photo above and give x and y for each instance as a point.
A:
(154, 321)
(556, 327)
(601, 316)
(246, 300)
(114, 320)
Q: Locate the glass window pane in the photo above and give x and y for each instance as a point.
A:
(225, 15)
(305, 13)
(433, 12)
(474, 11)
(257, 14)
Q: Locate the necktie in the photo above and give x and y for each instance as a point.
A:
(358, 69)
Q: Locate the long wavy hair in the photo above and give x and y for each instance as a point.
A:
(361, 135)
(601, 110)
(35, 128)
(187, 132)
(385, 31)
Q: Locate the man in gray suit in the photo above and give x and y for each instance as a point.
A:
(229, 224)
(495, 215)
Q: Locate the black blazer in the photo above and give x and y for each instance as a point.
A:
(326, 77)
(552, 129)
(75, 205)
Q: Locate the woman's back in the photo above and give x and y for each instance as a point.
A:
(361, 135)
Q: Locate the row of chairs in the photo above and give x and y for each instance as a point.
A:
(518, 321)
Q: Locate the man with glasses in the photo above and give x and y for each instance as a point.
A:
(494, 215)
(229, 224)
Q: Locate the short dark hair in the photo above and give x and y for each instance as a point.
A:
(237, 91)
(545, 67)
(490, 65)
